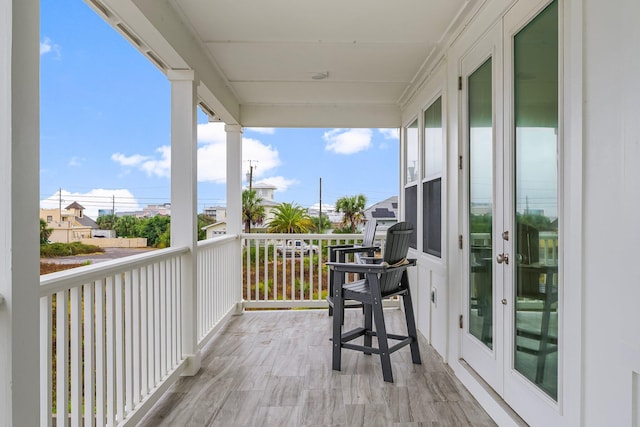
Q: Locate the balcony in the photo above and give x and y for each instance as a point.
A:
(119, 344)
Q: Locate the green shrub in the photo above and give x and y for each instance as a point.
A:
(53, 250)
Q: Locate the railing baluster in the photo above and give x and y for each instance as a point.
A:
(119, 347)
(144, 331)
(88, 354)
(156, 326)
(76, 357)
(135, 337)
(128, 342)
(162, 319)
(100, 354)
(62, 359)
(45, 361)
(111, 378)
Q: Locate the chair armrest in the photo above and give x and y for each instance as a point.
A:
(358, 249)
(375, 260)
(338, 247)
(353, 267)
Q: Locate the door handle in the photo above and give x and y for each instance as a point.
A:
(503, 258)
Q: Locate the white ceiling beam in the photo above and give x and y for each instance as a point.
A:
(320, 116)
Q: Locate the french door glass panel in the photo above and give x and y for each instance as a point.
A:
(535, 58)
(480, 291)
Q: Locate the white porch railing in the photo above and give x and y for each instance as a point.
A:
(111, 333)
(219, 267)
(278, 275)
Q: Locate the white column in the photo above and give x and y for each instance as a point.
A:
(19, 195)
(184, 198)
(234, 198)
(234, 178)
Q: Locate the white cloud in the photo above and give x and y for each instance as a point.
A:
(212, 166)
(47, 46)
(281, 183)
(212, 152)
(264, 131)
(211, 133)
(134, 160)
(75, 161)
(347, 141)
(266, 156)
(390, 133)
(159, 165)
(93, 200)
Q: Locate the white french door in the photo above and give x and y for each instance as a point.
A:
(511, 143)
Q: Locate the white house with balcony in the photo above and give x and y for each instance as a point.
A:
(528, 108)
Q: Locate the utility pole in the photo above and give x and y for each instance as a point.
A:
(250, 174)
(60, 204)
(113, 210)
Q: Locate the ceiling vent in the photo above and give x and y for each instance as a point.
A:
(101, 8)
(129, 35)
(156, 60)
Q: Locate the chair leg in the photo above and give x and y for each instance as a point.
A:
(368, 325)
(411, 327)
(338, 314)
(383, 343)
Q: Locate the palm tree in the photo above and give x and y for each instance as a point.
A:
(45, 232)
(320, 225)
(252, 209)
(352, 208)
(290, 218)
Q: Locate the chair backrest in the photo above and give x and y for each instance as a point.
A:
(395, 250)
(369, 232)
(397, 242)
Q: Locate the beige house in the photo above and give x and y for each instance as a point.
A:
(216, 229)
(68, 224)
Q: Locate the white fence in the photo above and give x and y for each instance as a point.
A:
(278, 273)
(111, 333)
(219, 276)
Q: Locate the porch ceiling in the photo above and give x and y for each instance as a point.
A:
(257, 58)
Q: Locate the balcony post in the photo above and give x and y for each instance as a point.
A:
(184, 196)
(19, 189)
(234, 196)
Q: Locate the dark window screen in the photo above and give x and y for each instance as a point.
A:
(432, 217)
(411, 212)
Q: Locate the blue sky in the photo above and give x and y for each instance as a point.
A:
(105, 132)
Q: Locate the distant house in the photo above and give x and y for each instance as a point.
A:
(149, 211)
(266, 192)
(217, 229)
(68, 224)
(217, 213)
(385, 212)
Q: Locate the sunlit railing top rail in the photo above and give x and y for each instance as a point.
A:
(288, 270)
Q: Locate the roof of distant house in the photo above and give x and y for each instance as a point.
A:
(386, 209)
(74, 205)
(87, 222)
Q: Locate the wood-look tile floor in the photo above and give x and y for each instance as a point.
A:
(273, 368)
